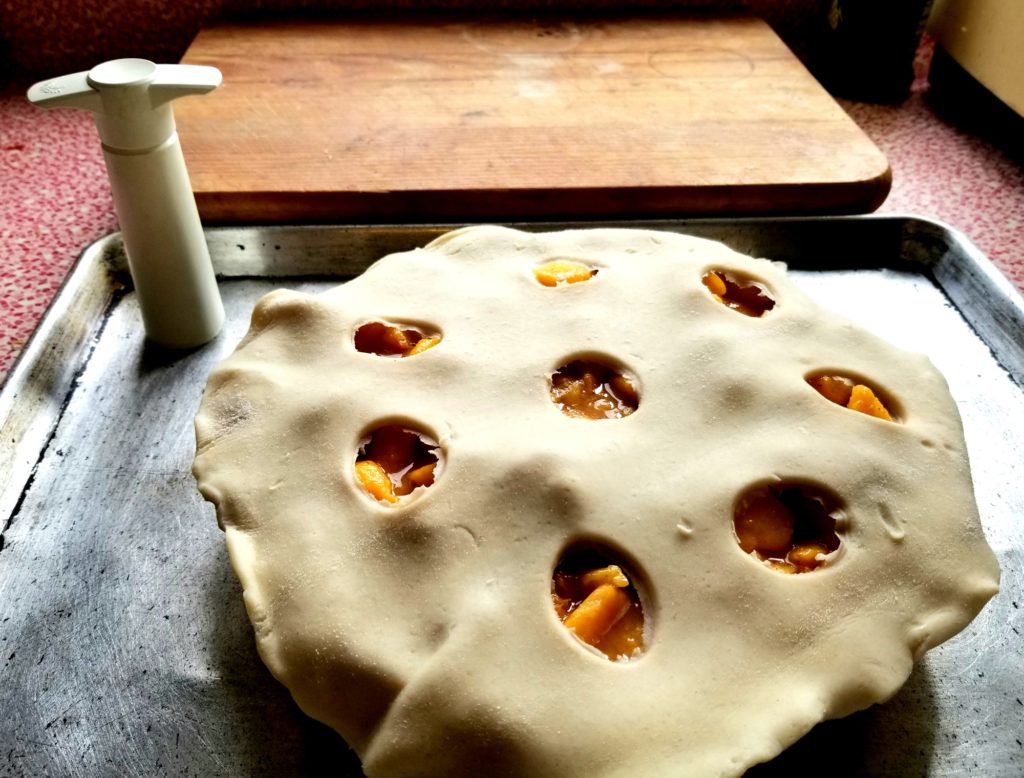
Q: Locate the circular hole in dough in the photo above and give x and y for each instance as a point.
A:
(594, 388)
(596, 596)
(741, 293)
(393, 340)
(791, 526)
(853, 392)
(562, 271)
(395, 461)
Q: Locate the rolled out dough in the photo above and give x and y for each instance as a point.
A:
(424, 633)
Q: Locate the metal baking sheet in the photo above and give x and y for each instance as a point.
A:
(124, 645)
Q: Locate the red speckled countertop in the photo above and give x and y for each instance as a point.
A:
(55, 199)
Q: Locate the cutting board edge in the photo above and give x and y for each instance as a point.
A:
(862, 196)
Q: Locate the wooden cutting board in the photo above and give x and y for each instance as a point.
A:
(466, 120)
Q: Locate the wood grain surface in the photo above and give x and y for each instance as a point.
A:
(497, 119)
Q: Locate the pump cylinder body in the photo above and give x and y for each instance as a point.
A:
(167, 252)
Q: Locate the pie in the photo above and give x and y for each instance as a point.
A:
(601, 502)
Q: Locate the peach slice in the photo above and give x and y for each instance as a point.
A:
(394, 462)
(748, 297)
(559, 272)
(789, 526)
(599, 605)
(845, 391)
(592, 390)
(387, 340)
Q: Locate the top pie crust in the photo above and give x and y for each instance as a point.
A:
(424, 632)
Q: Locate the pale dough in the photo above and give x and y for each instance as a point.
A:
(425, 634)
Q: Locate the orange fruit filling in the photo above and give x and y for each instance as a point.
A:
(386, 340)
(748, 297)
(791, 528)
(563, 271)
(375, 481)
(600, 607)
(394, 462)
(591, 390)
(864, 400)
(850, 394)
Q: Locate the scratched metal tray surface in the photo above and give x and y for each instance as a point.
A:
(124, 645)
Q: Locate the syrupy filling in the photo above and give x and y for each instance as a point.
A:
(387, 340)
(592, 390)
(395, 461)
(750, 298)
(559, 272)
(845, 391)
(596, 601)
(790, 527)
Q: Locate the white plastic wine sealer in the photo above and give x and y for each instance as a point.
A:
(163, 237)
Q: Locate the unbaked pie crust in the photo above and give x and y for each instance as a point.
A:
(423, 631)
